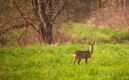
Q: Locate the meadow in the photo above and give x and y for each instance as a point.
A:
(110, 61)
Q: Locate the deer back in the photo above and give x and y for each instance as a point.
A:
(82, 54)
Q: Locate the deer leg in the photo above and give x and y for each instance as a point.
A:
(79, 61)
(86, 60)
(75, 61)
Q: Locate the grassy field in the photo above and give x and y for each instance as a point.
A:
(84, 32)
(55, 62)
(109, 62)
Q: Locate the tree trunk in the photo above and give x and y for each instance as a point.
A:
(44, 10)
(46, 27)
(46, 34)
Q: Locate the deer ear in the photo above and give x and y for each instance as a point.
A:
(94, 42)
(89, 42)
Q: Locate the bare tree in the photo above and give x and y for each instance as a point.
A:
(41, 15)
(47, 11)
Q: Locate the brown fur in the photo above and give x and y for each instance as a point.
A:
(78, 55)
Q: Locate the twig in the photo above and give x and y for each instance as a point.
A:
(23, 34)
(24, 17)
(59, 11)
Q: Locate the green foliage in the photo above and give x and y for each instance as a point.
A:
(55, 62)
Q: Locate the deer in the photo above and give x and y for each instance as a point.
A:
(78, 55)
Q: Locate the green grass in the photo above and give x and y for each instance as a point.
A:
(101, 35)
(55, 62)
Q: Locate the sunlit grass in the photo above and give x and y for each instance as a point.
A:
(55, 62)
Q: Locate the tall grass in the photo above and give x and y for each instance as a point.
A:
(82, 31)
(55, 62)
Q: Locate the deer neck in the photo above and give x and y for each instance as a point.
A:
(91, 49)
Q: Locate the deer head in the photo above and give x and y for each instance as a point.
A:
(91, 46)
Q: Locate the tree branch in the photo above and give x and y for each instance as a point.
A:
(23, 34)
(35, 7)
(59, 12)
(24, 17)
